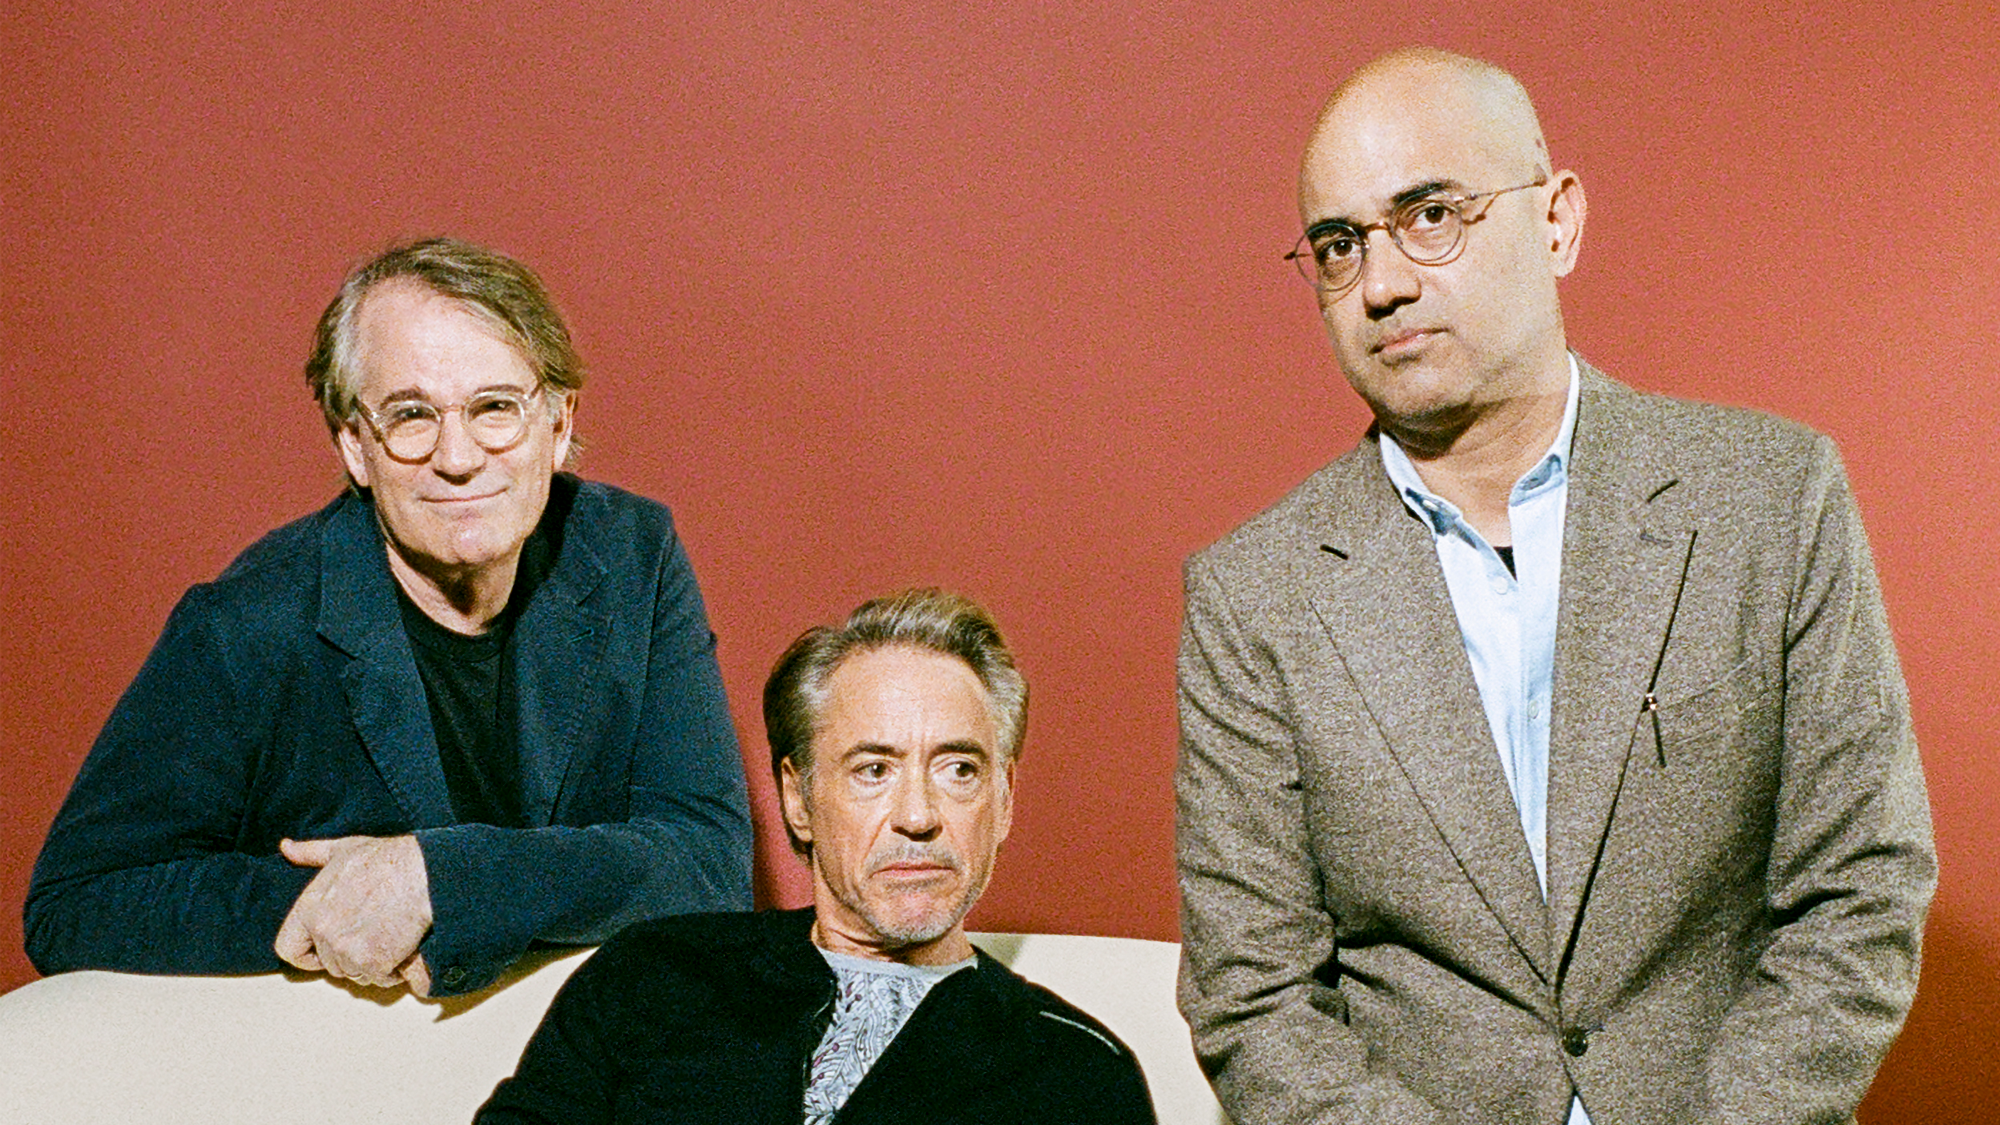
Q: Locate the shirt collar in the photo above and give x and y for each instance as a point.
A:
(848, 963)
(1441, 514)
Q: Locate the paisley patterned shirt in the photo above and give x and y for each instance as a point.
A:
(875, 999)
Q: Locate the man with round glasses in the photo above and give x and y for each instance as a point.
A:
(470, 706)
(1545, 758)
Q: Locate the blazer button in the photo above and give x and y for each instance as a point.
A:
(455, 974)
(1576, 1041)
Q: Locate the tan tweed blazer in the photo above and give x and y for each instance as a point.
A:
(1739, 848)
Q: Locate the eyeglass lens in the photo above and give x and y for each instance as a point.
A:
(410, 430)
(1427, 230)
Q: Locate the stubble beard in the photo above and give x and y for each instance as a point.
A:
(930, 927)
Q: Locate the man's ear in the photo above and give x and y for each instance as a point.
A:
(1004, 815)
(792, 800)
(1565, 218)
(565, 429)
(349, 442)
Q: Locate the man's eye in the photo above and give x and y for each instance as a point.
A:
(1337, 245)
(497, 409)
(1428, 215)
(872, 771)
(406, 413)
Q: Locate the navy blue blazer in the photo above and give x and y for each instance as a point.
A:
(283, 700)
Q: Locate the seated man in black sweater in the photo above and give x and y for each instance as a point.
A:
(893, 739)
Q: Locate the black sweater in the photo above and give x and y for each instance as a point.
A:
(714, 1017)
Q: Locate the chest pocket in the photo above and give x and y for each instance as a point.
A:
(1737, 711)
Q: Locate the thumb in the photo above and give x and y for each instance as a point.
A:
(307, 853)
(417, 975)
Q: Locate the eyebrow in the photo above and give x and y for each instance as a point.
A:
(1431, 187)
(412, 394)
(956, 746)
(1428, 187)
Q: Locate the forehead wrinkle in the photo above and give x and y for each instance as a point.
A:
(905, 699)
(871, 746)
(414, 394)
(1406, 195)
(419, 330)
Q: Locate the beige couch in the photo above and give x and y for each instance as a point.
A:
(86, 1048)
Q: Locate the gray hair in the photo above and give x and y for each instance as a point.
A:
(490, 285)
(933, 620)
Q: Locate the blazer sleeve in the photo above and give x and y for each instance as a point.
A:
(1259, 980)
(1852, 866)
(143, 869)
(682, 845)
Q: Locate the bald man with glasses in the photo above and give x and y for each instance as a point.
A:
(470, 706)
(1545, 758)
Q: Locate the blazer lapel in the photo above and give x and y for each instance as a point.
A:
(1380, 593)
(1626, 551)
(558, 646)
(358, 614)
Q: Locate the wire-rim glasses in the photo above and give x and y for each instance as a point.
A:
(410, 428)
(1429, 229)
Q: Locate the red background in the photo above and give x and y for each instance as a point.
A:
(980, 295)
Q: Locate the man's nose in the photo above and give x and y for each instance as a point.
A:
(915, 812)
(1389, 279)
(456, 455)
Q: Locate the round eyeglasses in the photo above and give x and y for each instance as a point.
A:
(410, 428)
(1429, 229)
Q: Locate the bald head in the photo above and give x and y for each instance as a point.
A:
(1484, 108)
(1438, 341)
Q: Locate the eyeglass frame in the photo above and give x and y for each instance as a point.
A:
(1303, 249)
(543, 392)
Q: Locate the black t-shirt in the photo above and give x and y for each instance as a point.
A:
(469, 682)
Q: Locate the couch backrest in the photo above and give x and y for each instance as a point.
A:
(97, 1048)
(1128, 984)
(270, 1049)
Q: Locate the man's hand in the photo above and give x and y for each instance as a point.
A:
(363, 916)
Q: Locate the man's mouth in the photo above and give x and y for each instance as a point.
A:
(916, 866)
(1402, 342)
(469, 499)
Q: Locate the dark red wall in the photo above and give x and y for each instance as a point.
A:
(986, 295)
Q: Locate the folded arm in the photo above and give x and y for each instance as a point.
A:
(145, 868)
(165, 857)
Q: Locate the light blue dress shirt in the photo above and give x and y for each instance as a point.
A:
(1508, 619)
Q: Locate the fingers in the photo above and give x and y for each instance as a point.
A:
(373, 956)
(294, 945)
(368, 971)
(313, 853)
(417, 975)
(366, 952)
(364, 913)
